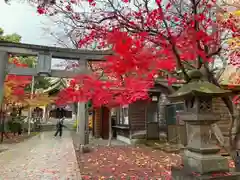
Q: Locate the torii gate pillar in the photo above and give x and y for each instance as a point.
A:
(3, 72)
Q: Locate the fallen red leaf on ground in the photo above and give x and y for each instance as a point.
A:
(126, 162)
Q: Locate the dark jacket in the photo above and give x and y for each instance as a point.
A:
(60, 124)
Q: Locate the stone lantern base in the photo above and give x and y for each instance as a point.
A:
(180, 173)
(204, 163)
(199, 166)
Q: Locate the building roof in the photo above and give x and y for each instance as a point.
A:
(56, 83)
(230, 77)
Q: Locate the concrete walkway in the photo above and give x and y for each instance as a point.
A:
(42, 157)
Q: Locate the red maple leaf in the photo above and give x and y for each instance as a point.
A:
(146, 41)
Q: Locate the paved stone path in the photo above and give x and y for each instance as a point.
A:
(42, 157)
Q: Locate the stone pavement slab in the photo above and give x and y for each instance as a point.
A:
(43, 157)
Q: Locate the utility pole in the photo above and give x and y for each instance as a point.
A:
(30, 108)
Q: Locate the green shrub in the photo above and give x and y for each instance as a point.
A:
(15, 125)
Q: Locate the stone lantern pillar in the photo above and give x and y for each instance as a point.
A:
(201, 159)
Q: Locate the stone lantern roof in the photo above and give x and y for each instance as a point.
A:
(198, 87)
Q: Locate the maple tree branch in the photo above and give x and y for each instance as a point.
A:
(190, 66)
(174, 49)
(227, 100)
(178, 8)
(86, 23)
(214, 53)
(133, 28)
(196, 27)
(146, 5)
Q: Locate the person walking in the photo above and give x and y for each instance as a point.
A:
(59, 126)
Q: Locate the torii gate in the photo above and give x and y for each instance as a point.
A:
(43, 68)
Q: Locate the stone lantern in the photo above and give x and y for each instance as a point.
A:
(201, 159)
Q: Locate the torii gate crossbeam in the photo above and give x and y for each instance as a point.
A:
(44, 56)
(43, 68)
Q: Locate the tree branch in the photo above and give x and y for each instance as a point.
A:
(175, 52)
(214, 53)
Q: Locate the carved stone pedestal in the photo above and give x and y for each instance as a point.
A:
(184, 174)
(204, 163)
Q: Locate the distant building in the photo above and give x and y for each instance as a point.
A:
(52, 110)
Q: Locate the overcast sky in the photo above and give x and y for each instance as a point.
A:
(21, 18)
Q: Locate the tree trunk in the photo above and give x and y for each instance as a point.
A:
(110, 127)
(228, 102)
(236, 138)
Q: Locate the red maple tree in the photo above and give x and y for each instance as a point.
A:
(146, 38)
(149, 39)
(16, 85)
